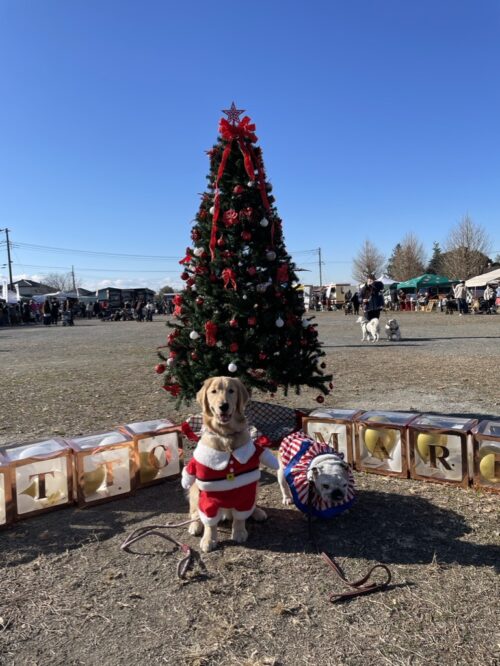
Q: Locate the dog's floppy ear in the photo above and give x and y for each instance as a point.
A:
(242, 395)
(312, 473)
(201, 396)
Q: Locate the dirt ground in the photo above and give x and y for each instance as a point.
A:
(71, 596)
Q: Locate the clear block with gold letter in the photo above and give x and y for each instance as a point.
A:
(6, 504)
(334, 427)
(104, 467)
(382, 441)
(41, 476)
(157, 450)
(438, 449)
(486, 447)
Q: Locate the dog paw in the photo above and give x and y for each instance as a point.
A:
(207, 545)
(259, 515)
(240, 535)
(195, 529)
(287, 501)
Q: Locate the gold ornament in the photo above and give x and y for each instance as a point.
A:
(93, 480)
(426, 440)
(148, 471)
(380, 441)
(487, 464)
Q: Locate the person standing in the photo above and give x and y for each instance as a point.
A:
(460, 292)
(372, 297)
(490, 297)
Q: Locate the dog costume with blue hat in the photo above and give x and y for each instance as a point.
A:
(298, 453)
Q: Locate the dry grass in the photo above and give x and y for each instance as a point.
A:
(71, 596)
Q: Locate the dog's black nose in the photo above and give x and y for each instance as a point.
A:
(224, 407)
(337, 495)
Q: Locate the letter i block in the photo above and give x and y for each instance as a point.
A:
(157, 450)
(6, 504)
(41, 475)
(104, 467)
(382, 442)
(334, 427)
(438, 449)
(486, 447)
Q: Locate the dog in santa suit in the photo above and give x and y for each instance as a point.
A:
(223, 474)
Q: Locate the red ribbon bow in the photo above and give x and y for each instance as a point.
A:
(229, 277)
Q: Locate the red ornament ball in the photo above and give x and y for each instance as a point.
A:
(252, 321)
(199, 301)
(184, 275)
(233, 323)
(233, 347)
(213, 277)
(160, 368)
(194, 356)
(251, 270)
(238, 189)
(262, 356)
(246, 235)
(221, 242)
(320, 399)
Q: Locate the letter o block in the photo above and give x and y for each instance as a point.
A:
(382, 441)
(41, 476)
(104, 467)
(157, 450)
(486, 447)
(439, 449)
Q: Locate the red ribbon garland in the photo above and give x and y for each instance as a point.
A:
(210, 333)
(244, 130)
(229, 276)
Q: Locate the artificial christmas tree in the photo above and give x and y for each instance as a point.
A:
(240, 313)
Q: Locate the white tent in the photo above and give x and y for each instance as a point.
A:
(493, 277)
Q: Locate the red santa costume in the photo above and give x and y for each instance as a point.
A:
(226, 480)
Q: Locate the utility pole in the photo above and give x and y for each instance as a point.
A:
(73, 276)
(320, 273)
(9, 260)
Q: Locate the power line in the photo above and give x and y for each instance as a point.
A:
(101, 270)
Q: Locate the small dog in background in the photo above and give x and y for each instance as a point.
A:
(370, 329)
(392, 330)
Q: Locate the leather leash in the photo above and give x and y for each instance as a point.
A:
(190, 555)
(358, 587)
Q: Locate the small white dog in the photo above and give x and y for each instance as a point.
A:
(392, 330)
(371, 329)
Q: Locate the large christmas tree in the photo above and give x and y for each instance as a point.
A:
(240, 312)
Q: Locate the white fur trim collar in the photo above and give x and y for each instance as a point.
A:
(219, 459)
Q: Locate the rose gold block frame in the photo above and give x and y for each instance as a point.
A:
(6, 503)
(486, 442)
(41, 476)
(438, 449)
(334, 427)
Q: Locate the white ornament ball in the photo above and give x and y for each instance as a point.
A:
(219, 344)
(305, 323)
(244, 297)
(194, 335)
(212, 210)
(279, 322)
(198, 251)
(264, 222)
(232, 367)
(170, 362)
(251, 183)
(271, 255)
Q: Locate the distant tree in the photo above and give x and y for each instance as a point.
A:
(466, 250)
(61, 281)
(166, 290)
(408, 259)
(389, 270)
(369, 261)
(435, 264)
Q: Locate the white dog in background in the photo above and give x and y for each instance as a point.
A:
(371, 329)
(392, 330)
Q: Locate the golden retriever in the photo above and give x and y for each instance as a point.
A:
(222, 477)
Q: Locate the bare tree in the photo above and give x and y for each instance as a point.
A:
(369, 261)
(61, 281)
(466, 250)
(408, 260)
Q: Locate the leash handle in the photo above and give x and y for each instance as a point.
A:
(358, 587)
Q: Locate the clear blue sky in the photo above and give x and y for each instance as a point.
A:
(375, 118)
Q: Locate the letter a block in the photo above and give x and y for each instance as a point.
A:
(382, 441)
(41, 476)
(157, 450)
(334, 427)
(104, 467)
(486, 446)
(6, 505)
(438, 449)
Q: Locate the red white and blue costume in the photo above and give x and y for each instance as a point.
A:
(297, 453)
(226, 480)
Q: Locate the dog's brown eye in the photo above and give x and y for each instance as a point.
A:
(231, 391)
(325, 486)
(213, 391)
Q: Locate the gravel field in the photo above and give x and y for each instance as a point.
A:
(70, 596)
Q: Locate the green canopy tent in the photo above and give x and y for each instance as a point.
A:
(425, 281)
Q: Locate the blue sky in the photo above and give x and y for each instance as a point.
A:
(375, 119)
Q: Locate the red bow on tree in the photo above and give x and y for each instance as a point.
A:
(229, 277)
(230, 217)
